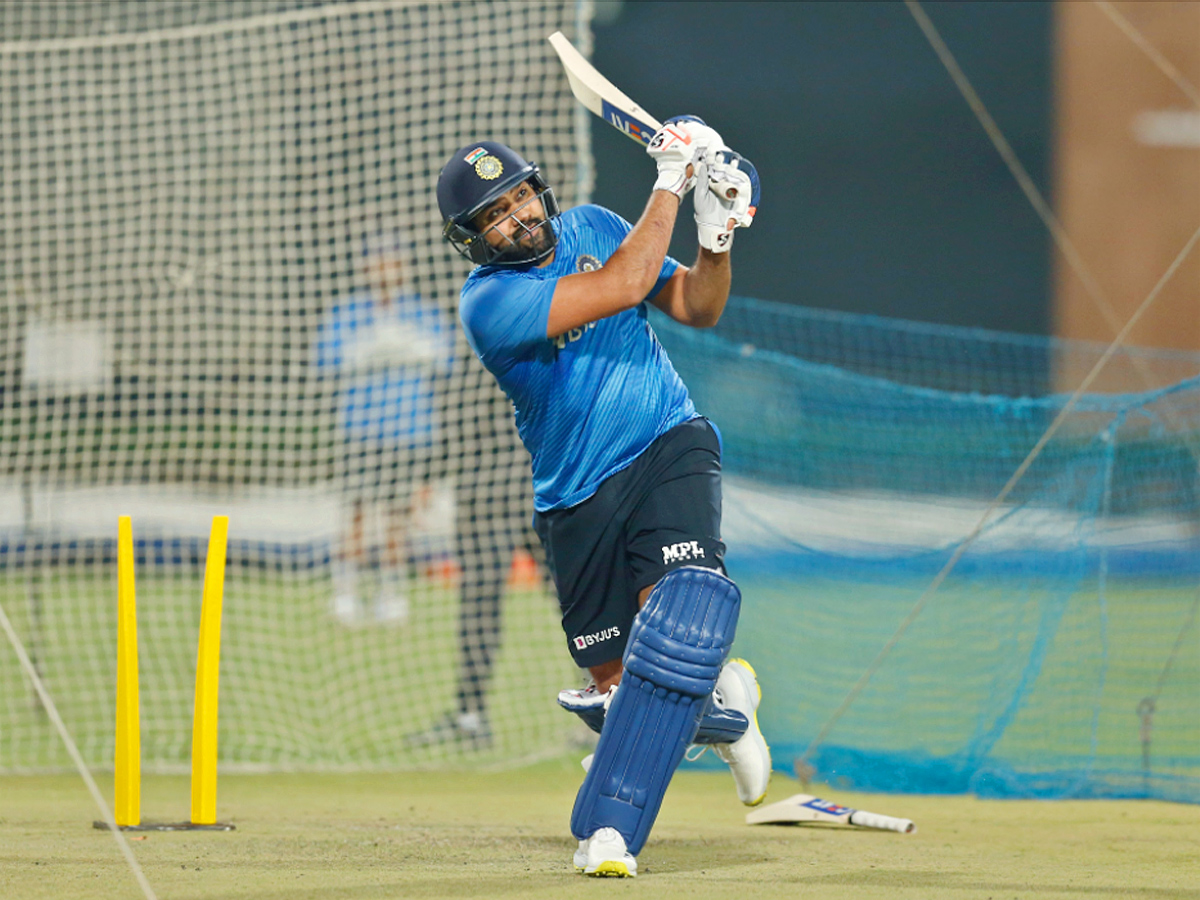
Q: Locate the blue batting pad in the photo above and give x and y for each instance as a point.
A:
(676, 647)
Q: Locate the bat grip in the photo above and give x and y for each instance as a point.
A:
(887, 823)
(726, 190)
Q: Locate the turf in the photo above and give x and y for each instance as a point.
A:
(474, 834)
(297, 689)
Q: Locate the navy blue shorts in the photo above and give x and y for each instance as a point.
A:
(661, 512)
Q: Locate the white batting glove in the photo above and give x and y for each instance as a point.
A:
(682, 141)
(717, 212)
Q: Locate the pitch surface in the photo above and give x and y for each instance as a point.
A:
(475, 834)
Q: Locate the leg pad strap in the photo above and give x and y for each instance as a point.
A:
(717, 725)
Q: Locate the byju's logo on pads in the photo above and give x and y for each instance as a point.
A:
(684, 551)
(590, 640)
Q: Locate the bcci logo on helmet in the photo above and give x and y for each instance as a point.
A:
(489, 168)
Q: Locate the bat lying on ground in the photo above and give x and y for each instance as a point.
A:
(603, 98)
(807, 808)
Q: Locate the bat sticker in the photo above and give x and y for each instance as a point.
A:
(622, 121)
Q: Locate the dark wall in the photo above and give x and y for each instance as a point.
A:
(881, 192)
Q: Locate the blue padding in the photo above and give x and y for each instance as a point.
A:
(676, 647)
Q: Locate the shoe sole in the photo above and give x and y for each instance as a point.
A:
(610, 869)
(757, 730)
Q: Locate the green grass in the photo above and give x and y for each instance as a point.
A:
(466, 834)
(1030, 673)
(297, 689)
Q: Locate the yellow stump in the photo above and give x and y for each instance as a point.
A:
(127, 807)
(204, 722)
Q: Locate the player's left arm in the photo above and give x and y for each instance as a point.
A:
(697, 296)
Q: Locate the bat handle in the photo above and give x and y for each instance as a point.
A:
(726, 190)
(887, 823)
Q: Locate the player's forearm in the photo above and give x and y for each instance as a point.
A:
(636, 265)
(706, 288)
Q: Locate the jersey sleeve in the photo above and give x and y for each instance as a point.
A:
(505, 316)
(668, 269)
(609, 222)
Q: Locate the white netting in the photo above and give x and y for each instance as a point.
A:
(192, 197)
(34, 21)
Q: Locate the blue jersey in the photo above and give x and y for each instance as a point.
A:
(388, 358)
(587, 402)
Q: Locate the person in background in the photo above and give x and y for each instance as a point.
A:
(492, 498)
(388, 350)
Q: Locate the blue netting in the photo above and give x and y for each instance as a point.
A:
(1060, 658)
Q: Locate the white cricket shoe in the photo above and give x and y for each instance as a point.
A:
(347, 609)
(604, 855)
(391, 607)
(749, 757)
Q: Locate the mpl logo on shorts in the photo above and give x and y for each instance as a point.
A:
(679, 552)
(598, 637)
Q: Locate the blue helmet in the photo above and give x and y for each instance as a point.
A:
(476, 176)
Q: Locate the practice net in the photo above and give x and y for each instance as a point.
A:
(198, 199)
(225, 292)
(1061, 655)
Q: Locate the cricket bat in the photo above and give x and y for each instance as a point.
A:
(608, 102)
(807, 808)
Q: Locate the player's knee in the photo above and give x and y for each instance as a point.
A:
(681, 636)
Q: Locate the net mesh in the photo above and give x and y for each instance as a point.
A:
(207, 207)
(1061, 656)
(226, 292)
(25, 21)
